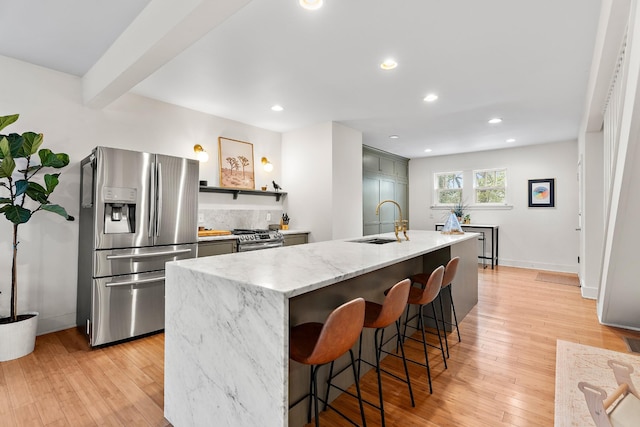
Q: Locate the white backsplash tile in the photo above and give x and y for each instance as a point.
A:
(228, 219)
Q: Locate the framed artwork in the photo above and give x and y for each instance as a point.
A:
(236, 164)
(541, 193)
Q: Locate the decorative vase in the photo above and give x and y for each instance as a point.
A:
(18, 338)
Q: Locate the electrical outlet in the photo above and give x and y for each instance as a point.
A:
(200, 218)
(268, 216)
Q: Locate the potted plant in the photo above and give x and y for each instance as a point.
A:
(21, 197)
(458, 210)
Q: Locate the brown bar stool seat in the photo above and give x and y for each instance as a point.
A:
(421, 296)
(378, 317)
(316, 344)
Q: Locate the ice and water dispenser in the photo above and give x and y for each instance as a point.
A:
(119, 209)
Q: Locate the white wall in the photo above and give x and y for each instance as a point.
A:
(541, 238)
(51, 102)
(307, 179)
(323, 178)
(347, 182)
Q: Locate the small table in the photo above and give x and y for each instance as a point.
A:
(494, 239)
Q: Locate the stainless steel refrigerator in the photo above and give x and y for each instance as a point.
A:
(137, 211)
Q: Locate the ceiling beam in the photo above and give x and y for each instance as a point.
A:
(161, 31)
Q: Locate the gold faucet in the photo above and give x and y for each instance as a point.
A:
(398, 225)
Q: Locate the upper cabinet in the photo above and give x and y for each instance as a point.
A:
(385, 176)
(379, 162)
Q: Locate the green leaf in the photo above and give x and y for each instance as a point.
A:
(5, 200)
(7, 120)
(21, 186)
(32, 142)
(57, 209)
(16, 142)
(4, 147)
(6, 167)
(17, 214)
(51, 181)
(48, 158)
(37, 192)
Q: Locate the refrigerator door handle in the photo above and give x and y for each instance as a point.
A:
(159, 209)
(134, 282)
(149, 254)
(152, 199)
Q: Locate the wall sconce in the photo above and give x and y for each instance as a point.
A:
(201, 155)
(268, 166)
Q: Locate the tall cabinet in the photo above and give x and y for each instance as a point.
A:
(385, 177)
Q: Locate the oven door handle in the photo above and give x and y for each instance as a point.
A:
(258, 246)
(134, 282)
(148, 254)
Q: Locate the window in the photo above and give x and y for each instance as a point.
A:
(448, 187)
(490, 186)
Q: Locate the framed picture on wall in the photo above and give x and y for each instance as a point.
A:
(236, 164)
(541, 193)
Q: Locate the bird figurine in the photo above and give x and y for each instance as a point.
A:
(276, 187)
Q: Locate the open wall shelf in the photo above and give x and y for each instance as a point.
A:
(236, 191)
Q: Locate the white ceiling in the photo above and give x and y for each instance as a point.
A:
(526, 61)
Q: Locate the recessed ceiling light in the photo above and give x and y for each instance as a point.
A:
(495, 120)
(388, 64)
(511, 140)
(311, 4)
(277, 108)
(394, 136)
(428, 150)
(431, 97)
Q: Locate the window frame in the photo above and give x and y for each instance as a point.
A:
(476, 187)
(437, 190)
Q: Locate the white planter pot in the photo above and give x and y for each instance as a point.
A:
(18, 339)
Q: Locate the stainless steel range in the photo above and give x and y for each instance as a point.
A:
(253, 240)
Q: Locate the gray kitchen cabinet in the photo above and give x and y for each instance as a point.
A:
(385, 177)
(295, 239)
(216, 247)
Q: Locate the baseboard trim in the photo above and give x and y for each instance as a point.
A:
(55, 324)
(560, 268)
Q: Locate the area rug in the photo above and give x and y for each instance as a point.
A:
(559, 278)
(577, 362)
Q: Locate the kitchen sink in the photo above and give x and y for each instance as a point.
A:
(375, 240)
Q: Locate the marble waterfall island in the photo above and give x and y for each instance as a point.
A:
(227, 319)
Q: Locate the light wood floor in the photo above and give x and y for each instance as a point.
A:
(502, 373)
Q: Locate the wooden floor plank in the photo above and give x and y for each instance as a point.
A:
(501, 374)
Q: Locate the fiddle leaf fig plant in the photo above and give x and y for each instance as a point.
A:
(20, 195)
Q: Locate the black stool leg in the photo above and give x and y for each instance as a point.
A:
(424, 345)
(355, 376)
(326, 396)
(379, 378)
(311, 370)
(454, 312)
(404, 362)
(435, 318)
(315, 395)
(444, 326)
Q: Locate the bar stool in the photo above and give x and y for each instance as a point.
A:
(378, 317)
(449, 274)
(421, 297)
(447, 281)
(317, 344)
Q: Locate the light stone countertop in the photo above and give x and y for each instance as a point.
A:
(299, 269)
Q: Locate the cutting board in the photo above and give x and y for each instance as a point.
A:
(207, 233)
